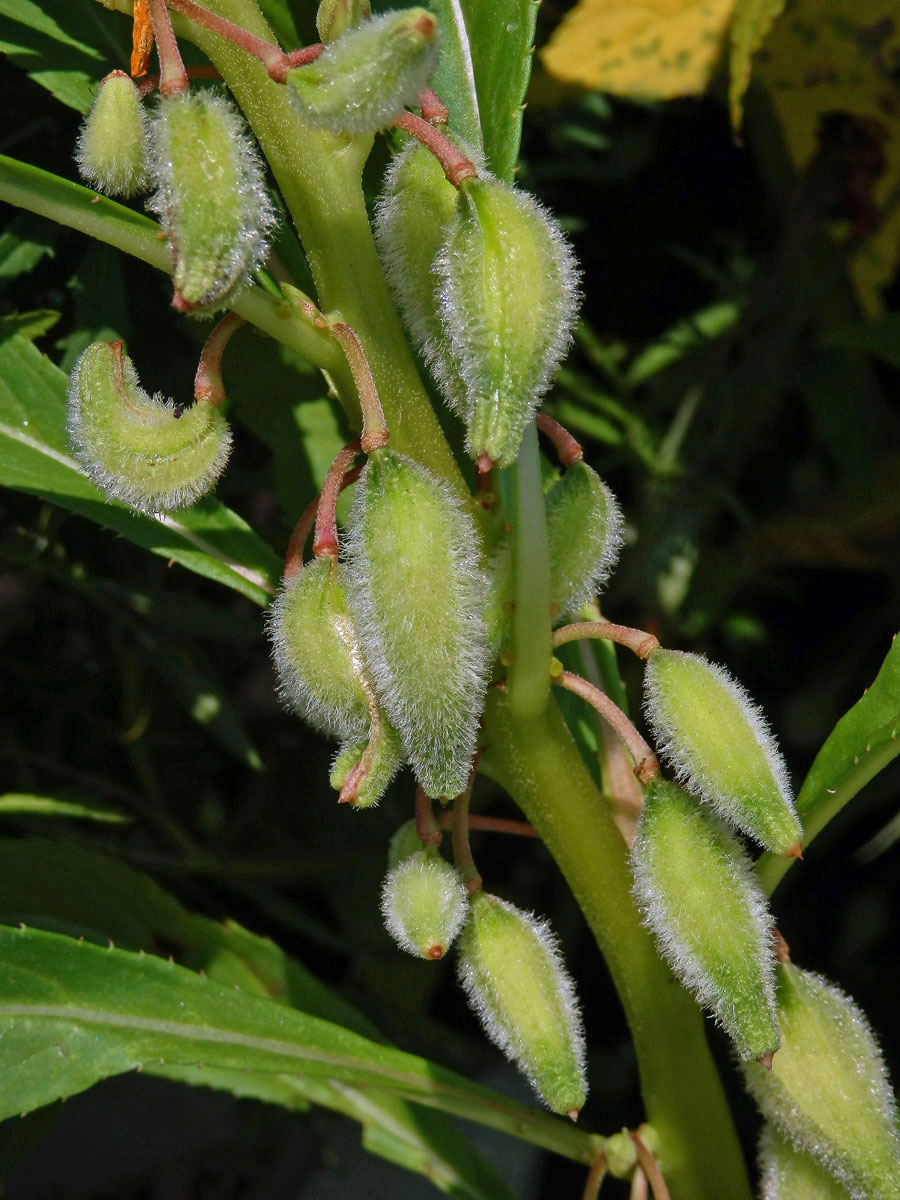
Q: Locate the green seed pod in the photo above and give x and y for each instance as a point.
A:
(210, 196)
(424, 904)
(718, 742)
(695, 886)
(363, 770)
(828, 1090)
(112, 146)
(508, 300)
(337, 16)
(790, 1174)
(514, 977)
(416, 592)
(404, 842)
(584, 534)
(139, 449)
(363, 79)
(317, 657)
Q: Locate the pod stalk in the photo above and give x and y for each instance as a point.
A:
(650, 1167)
(646, 766)
(151, 83)
(173, 77)
(375, 433)
(462, 850)
(325, 541)
(636, 640)
(426, 826)
(568, 451)
(208, 385)
(457, 167)
(293, 557)
(434, 110)
(272, 57)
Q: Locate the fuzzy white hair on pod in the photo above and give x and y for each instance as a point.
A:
(111, 150)
(250, 244)
(787, 1173)
(424, 904)
(607, 549)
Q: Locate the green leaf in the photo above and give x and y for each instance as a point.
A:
(24, 242)
(881, 338)
(454, 79)
(750, 25)
(687, 336)
(17, 803)
(34, 457)
(281, 22)
(30, 325)
(862, 743)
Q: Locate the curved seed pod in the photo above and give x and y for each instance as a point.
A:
(404, 841)
(334, 17)
(210, 197)
(363, 79)
(695, 887)
(112, 146)
(150, 454)
(828, 1090)
(316, 653)
(415, 591)
(363, 770)
(424, 904)
(584, 535)
(515, 980)
(508, 300)
(790, 1174)
(718, 742)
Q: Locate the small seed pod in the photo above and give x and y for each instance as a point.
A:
(424, 904)
(514, 977)
(210, 196)
(112, 146)
(718, 742)
(363, 79)
(363, 771)
(828, 1090)
(584, 534)
(695, 887)
(790, 1174)
(508, 299)
(317, 656)
(141, 449)
(416, 592)
(335, 17)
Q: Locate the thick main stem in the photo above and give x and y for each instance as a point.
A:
(537, 762)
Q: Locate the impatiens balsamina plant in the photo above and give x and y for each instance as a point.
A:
(419, 633)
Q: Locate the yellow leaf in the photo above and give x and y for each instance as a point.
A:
(753, 20)
(644, 49)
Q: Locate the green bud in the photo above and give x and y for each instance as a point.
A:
(141, 449)
(317, 657)
(364, 79)
(584, 534)
(828, 1090)
(424, 904)
(790, 1174)
(695, 886)
(404, 842)
(337, 16)
(210, 197)
(621, 1155)
(718, 742)
(508, 302)
(363, 770)
(514, 977)
(416, 592)
(112, 146)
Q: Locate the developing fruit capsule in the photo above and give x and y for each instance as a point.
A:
(515, 980)
(424, 904)
(112, 146)
(717, 741)
(137, 448)
(790, 1174)
(365, 77)
(210, 196)
(363, 770)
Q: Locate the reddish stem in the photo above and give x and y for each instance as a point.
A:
(646, 766)
(426, 826)
(325, 542)
(272, 57)
(650, 1167)
(568, 451)
(643, 644)
(151, 83)
(456, 166)
(595, 1177)
(374, 431)
(434, 110)
(293, 558)
(491, 825)
(208, 385)
(306, 54)
(172, 75)
(462, 851)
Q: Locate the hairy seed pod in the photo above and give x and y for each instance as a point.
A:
(112, 146)
(828, 1090)
(790, 1174)
(316, 653)
(514, 977)
(404, 841)
(210, 196)
(584, 535)
(694, 885)
(508, 299)
(141, 449)
(363, 80)
(424, 904)
(718, 742)
(363, 770)
(335, 17)
(416, 592)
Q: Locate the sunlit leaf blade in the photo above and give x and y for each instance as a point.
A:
(21, 804)
(35, 457)
(454, 79)
(752, 21)
(862, 743)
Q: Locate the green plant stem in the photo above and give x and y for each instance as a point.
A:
(529, 673)
(537, 762)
